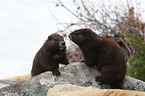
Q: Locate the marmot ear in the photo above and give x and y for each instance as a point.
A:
(49, 37)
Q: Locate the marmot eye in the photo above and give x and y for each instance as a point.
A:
(55, 39)
(85, 33)
(49, 38)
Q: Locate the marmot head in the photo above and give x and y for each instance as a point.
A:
(82, 36)
(55, 42)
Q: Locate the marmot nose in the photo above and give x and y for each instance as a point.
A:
(62, 43)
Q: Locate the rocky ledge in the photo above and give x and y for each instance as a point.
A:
(75, 74)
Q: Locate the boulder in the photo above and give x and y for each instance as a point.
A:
(73, 90)
(75, 73)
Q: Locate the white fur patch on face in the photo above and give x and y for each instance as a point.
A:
(62, 45)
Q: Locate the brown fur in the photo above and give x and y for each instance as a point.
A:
(50, 55)
(104, 54)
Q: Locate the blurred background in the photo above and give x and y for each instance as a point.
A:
(26, 24)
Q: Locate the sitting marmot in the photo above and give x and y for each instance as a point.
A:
(50, 55)
(104, 54)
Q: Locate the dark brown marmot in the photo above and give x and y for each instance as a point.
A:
(50, 55)
(104, 54)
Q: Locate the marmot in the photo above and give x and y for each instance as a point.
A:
(104, 54)
(50, 55)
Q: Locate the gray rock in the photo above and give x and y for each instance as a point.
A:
(4, 83)
(75, 73)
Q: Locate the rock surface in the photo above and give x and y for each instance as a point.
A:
(4, 83)
(73, 90)
(75, 74)
(19, 78)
